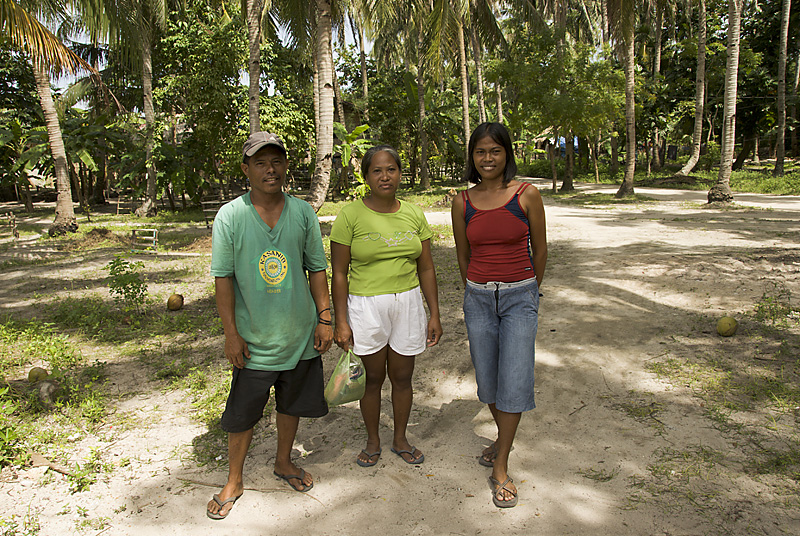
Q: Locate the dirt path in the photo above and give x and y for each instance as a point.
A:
(625, 286)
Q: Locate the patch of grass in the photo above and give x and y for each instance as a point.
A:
(779, 461)
(84, 475)
(774, 309)
(763, 182)
(95, 318)
(702, 378)
(643, 408)
(190, 215)
(595, 199)
(20, 525)
(332, 208)
(89, 315)
(74, 396)
(683, 465)
(21, 342)
(206, 381)
(600, 475)
(753, 394)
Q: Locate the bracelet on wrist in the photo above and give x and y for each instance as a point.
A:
(322, 320)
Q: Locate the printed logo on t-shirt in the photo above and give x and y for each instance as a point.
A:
(397, 238)
(273, 266)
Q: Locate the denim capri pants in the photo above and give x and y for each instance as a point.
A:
(502, 319)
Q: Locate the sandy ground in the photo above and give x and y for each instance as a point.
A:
(625, 285)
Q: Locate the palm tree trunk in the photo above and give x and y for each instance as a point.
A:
(656, 72)
(780, 146)
(699, 92)
(324, 159)
(315, 83)
(499, 95)
(253, 15)
(626, 188)
(569, 169)
(337, 95)
(551, 153)
(476, 54)
(756, 150)
(65, 220)
(614, 142)
(148, 207)
(794, 108)
(462, 56)
(363, 61)
(603, 8)
(721, 191)
(424, 178)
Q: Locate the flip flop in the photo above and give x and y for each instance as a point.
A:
(497, 487)
(482, 458)
(369, 455)
(299, 477)
(413, 461)
(217, 516)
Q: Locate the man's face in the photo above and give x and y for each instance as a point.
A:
(267, 170)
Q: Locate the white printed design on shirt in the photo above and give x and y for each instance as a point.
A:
(395, 240)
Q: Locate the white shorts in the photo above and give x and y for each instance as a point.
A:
(398, 320)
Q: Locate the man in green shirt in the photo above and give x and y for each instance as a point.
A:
(276, 318)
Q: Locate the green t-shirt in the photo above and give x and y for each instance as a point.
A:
(384, 248)
(275, 313)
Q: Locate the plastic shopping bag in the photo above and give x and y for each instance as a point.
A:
(348, 381)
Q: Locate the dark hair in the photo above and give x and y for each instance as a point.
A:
(500, 135)
(366, 160)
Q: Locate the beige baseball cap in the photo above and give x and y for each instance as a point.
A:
(259, 140)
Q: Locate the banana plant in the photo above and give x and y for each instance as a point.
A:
(351, 149)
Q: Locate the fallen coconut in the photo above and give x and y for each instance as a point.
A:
(175, 302)
(726, 326)
(37, 374)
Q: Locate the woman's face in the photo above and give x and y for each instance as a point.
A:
(489, 158)
(383, 175)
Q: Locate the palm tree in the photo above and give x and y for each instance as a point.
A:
(781, 145)
(721, 191)
(699, 96)
(48, 55)
(357, 19)
(324, 62)
(621, 15)
(447, 23)
(390, 20)
(253, 12)
(135, 25)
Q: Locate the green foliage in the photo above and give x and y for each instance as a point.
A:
(763, 182)
(10, 449)
(84, 475)
(710, 159)
(126, 284)
(21, 342)
(774, 308)
(16, 525)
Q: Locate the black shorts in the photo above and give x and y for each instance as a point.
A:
(298, 392)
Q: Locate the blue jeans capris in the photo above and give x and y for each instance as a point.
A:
(501, 328)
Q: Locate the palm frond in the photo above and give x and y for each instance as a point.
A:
(30, 35)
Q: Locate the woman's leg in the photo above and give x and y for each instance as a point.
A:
(506, 430)
(375, 367)
(401, 369)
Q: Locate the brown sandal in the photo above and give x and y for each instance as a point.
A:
(498, 487)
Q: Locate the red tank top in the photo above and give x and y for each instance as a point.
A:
(499, 241)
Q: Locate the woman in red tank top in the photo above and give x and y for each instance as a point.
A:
(501, 244)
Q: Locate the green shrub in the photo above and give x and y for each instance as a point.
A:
(126, 284)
